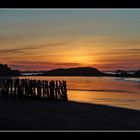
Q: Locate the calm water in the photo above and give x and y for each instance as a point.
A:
(122, 92)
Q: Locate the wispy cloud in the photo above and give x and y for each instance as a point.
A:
(30, 65)
(29, 48)
(3, 38)
(112, 52)
(114, 66)
(131, 42)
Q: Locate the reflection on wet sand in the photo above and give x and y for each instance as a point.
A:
(112, 91)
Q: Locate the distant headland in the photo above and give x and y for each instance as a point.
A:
(89, 71)
(6, 71)
(76, 71)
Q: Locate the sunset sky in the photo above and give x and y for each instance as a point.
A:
(43, 39)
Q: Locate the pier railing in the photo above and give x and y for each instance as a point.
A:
(33, 89)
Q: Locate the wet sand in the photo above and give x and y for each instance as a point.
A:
(39, 115)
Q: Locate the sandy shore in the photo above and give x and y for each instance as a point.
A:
(39, 115)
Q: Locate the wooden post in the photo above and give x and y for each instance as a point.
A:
(65, 98)
(11, 88)
(57, 90)
(52, 86)
(17, 89)
(47, 90)
(61, 90)
(43, 86)
(38, 89)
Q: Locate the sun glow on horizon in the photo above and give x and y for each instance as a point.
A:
(48, 39)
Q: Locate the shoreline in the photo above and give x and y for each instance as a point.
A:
(53, 115)
(81, 76)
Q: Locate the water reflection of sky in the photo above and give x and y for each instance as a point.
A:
(122, 92)
(107, 84)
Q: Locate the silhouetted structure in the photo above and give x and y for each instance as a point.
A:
(6, 71)
(119, 72)
(137, 73)
(123, 73)
(33, 89)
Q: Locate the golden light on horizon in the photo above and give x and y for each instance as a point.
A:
(48, 39)
(81, 59)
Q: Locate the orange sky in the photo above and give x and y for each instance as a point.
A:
(48, 39)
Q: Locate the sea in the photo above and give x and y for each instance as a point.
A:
(112, 91)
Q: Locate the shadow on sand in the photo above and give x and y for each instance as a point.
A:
(54, 115)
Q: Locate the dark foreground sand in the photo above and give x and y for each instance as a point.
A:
(39, 115)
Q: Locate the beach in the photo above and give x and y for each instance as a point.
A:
(69, 69)
(54, 115)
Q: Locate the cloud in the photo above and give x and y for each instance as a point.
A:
(126, 50)
(27, 48)
(114, 66)
(42, 63)
(113, 52)
(30, 65)
(134, 42)
(6, 38)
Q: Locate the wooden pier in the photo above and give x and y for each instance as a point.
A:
(33, 89)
